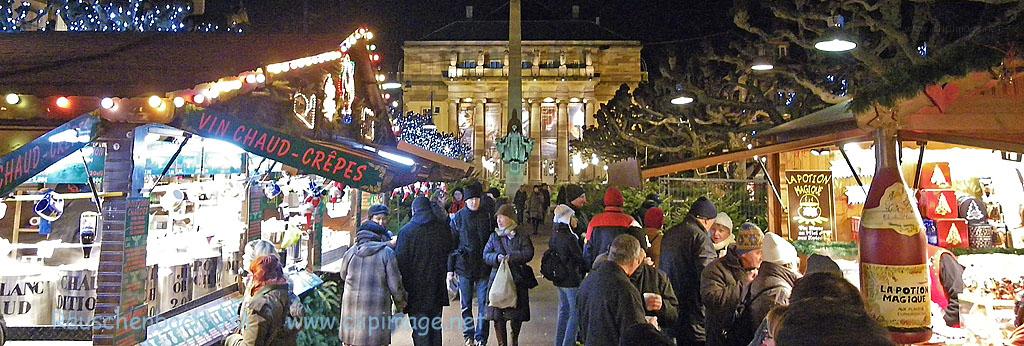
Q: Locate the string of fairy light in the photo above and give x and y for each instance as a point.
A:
(93, 15)
(419, 130)
(161, 106)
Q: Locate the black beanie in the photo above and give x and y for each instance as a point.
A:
(474, 190)
(378, 209)
(573, 192)
(703, 208)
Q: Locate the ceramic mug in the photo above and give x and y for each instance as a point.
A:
(51, 207)
(271, 189)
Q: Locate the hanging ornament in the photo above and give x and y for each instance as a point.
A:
(953, 238)
(943, 207)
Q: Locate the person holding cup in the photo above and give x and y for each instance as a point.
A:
(661, 306)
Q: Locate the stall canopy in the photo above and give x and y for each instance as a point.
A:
(975, 110)
(175, 78)
(132, 64)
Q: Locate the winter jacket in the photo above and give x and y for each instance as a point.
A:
(519, 252)
(265, 319)
(685, 251)
(422, 252)
(456, 206)
(649, 279)
(535, 206)
(944, 266)
(520, 199)
(582, 220)
(721, 288)
(722, 247)
(603, 229)
(471, 230)
(608, 305)
(770, 288)
(654, 236)
(372, 284)
(569, 247)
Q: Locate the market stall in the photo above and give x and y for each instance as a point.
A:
(960, 151)
(166, 188)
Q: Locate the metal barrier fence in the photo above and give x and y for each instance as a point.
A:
(743, 200)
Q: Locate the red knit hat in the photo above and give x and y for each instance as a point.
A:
(613, 198)
(654, 218)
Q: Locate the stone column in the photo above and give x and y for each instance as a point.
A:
(452, 118)
(590, 109)
(535, 162)
(562, 168)
(479, 131)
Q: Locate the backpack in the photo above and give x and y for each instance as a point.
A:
(553, 266)
(743, 326)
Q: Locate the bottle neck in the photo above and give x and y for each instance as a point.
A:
(885, 148)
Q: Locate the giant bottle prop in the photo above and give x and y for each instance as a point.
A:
(893, 253)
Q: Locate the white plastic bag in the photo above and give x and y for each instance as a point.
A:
(503, 290)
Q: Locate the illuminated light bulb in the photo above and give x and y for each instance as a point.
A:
(261, 78)
(198, 98)
(368, 35)
(12, 99)
(593, 159)
(250, 78)
(750, 146)
(373, 47)
(179, 101)
(234, 85)
(107, 103)
(63, 102)
(155, 101)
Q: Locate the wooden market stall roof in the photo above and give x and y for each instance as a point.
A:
(138, 63)
(975, 110)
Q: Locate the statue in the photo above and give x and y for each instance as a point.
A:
(515, 152)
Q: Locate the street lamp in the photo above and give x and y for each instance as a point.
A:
(682, 100)
(835, 41)
(761, 62)
(391, 86)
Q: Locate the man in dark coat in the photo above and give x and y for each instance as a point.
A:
(472, 226)
(576, 198)
(608, 303)
(723, 282)
(685, 251)
(659, 298)
(520, 203)
(423, 247)
(604, 227)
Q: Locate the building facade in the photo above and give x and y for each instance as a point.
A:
(460, 73)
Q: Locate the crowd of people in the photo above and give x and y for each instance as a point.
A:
(622, 279)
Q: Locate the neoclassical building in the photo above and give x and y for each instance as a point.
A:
(460, 73)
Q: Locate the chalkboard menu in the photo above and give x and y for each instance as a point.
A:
(811, 205)
(256, 198)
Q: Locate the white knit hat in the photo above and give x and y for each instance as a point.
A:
(779, 251)
(724, 220)
(564, 214)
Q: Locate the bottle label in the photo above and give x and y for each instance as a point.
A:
(897, 296)
(894, 211)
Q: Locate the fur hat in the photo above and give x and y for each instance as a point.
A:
(474, 190)
(506, 210)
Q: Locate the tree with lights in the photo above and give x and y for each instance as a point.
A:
(419, 130)
(110, 15)
(902, 47)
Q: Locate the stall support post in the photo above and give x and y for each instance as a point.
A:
(920, 164)
(316, 237)
(120, 317)
(774, 204)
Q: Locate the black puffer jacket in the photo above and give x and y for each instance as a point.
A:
(471, 230)
(423, 246)
(686, 250)
(569, 247)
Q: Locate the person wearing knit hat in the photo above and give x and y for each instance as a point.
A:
(377, 223)
(721, 233)
(822, 264)
(775, 277)
(507, 245)
(654, 222)
(604, 227)
(507, 211)
(722, 282)
(576, 198)
(472, 226)
(570, 269)
(686, 251)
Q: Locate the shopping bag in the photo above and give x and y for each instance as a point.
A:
(503, 290)
(453, 287)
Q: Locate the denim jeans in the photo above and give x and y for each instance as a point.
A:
(568, 317)
(426, 329)
(467, 289)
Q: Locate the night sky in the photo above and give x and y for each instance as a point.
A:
(395, 21)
